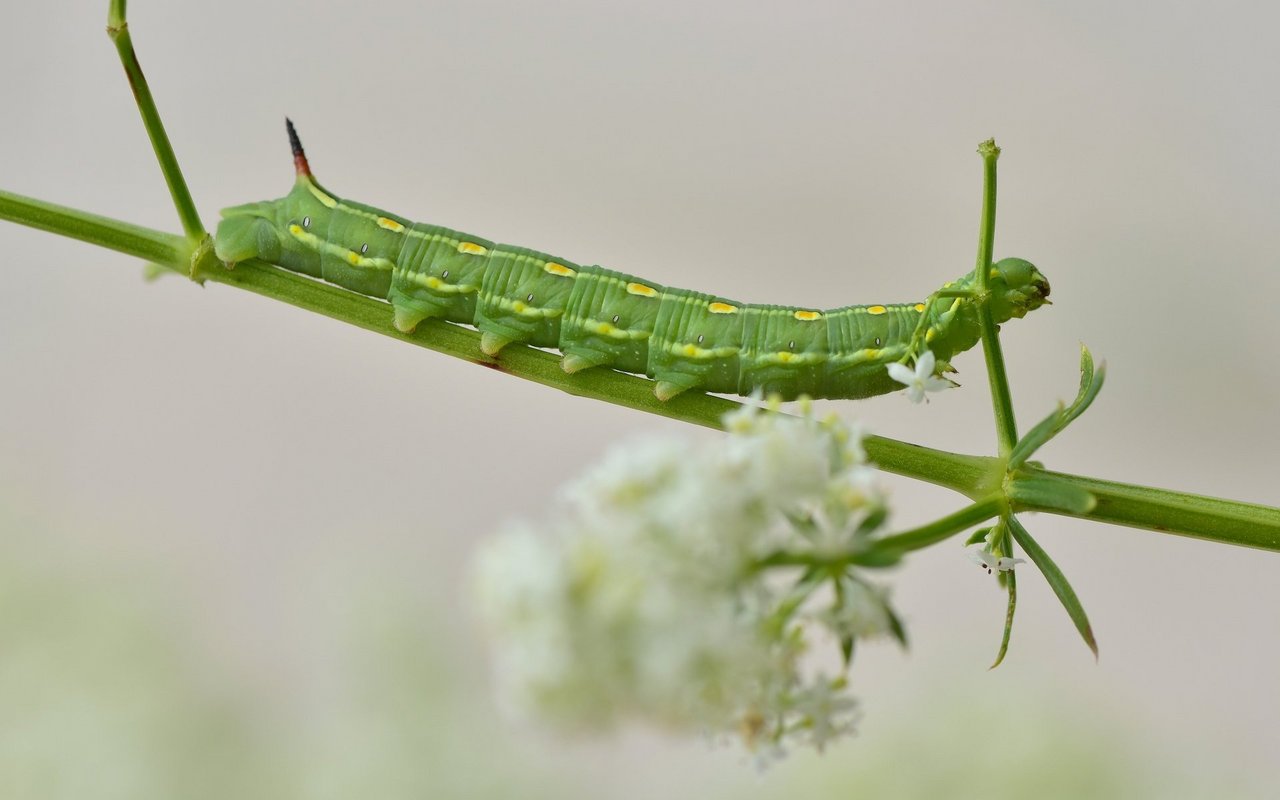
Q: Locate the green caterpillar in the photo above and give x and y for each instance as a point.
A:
(600, 318)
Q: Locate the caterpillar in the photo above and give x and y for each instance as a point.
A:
(597, 317)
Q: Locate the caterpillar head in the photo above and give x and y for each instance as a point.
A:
(285, 231)
(1016, 288)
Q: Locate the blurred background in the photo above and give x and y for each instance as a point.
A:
(234, 537)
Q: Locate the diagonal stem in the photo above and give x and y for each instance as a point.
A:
(118, 30)
(977, 477)
(946, 527)
(965, 474)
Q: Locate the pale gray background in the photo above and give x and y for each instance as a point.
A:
(811, 153)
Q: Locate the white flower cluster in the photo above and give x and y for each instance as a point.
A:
(683, 583)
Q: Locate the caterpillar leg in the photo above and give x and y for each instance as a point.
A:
(672, 384)
(407, 317)
(579, 359)
(492, 343)
(522, 298)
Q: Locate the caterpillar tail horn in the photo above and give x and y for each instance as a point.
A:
(300, 165)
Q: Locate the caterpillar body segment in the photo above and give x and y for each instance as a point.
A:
(610, 323)
(598, 317)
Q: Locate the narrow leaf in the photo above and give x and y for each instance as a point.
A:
(846, 650)
(896, 628)
(977, 537)
(1057, 581)
(1090, 384)
(1008, 619)
(1035, 438)
(1051, 494)
(877, 558)
(799, 592)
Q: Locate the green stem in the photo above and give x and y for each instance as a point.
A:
(914, 539)
(118, 30)
(946, 527)
(1210, 518)
(950, 470)
(152, 245)
(1002, 402)
(975, 476)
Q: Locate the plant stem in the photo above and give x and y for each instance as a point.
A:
(975, 476)
(1002, 402)
(946, 527)
(118, 30)
(950, 470)
(152, 245)
(1200, 517)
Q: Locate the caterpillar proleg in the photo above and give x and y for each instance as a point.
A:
(597, 317)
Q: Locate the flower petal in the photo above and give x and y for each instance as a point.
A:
(926, 363)
(902, 373)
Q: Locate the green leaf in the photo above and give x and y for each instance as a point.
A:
(977, 537)
(1057, 581)
(1012, 586)
(846, 650)
(896, 628)
(799, 592)
(1051, 494)
(151, 271)
(1035, 438)
(1090, 384)
(876, 558)
(873, 521)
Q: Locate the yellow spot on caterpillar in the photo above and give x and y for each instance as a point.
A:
(613, 331)
(435, 284)
(784, 356)
(390, 225)
(558, 269)
(807, 316)
(692, 350)
(722, 308)
(642, 290)
(325, 199)
(919, 307)
(524, 309)
(354, 258)
(876, 310)
(295, 229)
(930, 334)
(472, 248)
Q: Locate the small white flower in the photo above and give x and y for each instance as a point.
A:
(988, 561)
(642, 598)
(921, 379)
(826, 711)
